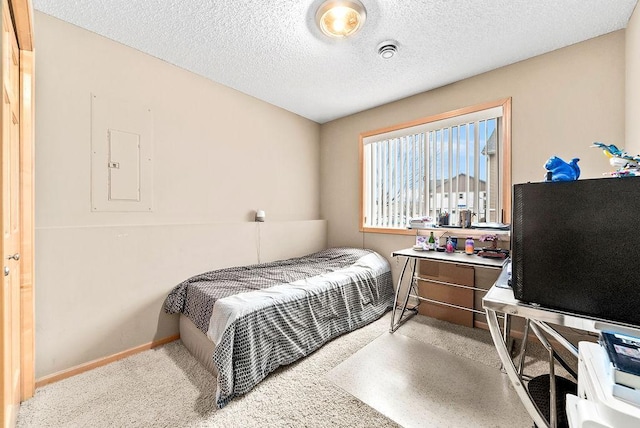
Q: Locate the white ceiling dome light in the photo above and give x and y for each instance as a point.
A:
(340, 18)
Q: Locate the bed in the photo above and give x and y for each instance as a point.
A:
(244, 322)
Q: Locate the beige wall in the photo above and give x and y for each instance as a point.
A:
(563, 101)
(632, 110)
(218, 156)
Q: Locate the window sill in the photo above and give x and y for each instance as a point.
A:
(440, 231)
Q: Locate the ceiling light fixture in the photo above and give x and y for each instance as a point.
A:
(340, 18)
(387, 49)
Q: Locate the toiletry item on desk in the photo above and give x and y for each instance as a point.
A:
(449, 246)
(468, 245)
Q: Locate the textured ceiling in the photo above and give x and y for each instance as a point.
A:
(273, 51)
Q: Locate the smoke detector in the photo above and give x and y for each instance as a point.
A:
(387, 49)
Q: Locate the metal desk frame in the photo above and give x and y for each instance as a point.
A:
(411, 261)
(501, 300)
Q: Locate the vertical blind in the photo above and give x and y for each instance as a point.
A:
(434, 169)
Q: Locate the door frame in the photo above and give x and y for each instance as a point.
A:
(22, 13)
(27, 297)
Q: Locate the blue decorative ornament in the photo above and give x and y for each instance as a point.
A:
(627, 164)
(559, 170)
(610, 150)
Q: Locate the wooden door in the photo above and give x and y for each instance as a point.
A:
(10, 302)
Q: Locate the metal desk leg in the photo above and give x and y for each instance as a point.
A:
(523, 348)
(510, 369)
(506, 335)
(395, 324)
(506, 332)
(395, 299)
(553, 411)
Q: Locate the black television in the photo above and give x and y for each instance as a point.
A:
(575, 247)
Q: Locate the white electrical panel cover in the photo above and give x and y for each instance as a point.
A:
(121, 155)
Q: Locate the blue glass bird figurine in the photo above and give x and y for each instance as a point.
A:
(608, 149)
(627, 164)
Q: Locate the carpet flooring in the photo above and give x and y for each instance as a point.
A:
(167, 387)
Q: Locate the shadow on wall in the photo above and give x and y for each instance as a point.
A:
(167, 323)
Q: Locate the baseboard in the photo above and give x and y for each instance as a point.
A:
(480, 324)
(55, 377)
(516, 334)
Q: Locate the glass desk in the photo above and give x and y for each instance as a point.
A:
(500, 300)
(402, 313)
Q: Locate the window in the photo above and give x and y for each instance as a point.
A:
(417, 169)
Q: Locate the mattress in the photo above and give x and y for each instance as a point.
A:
(200, 346)
(264, 316)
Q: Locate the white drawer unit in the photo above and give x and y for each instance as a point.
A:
(595, 406)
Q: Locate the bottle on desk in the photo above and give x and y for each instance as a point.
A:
(432, 241)
(449, 247)
(468, 245)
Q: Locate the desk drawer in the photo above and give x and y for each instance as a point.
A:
(450, 273)
(448, 294)
(447, 272)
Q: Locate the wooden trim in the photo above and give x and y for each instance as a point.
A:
(436, 117)
(387, 231)
(506, 161)
(515, 334)
(503, 235)
(27, 344)
(55, 377)
(361, 160)
(23, 20)
(483, 325)
(27, 298)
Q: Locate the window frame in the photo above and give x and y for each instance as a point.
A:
(504, 172)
